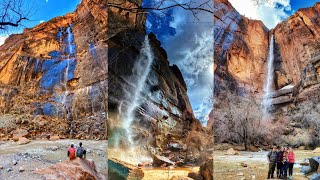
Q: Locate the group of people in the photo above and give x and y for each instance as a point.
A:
(76, 152)
(283, 159)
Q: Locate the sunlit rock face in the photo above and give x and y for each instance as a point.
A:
(298, 42)
(241, 47)
(241, 50)
(241, 54)
(58, 69)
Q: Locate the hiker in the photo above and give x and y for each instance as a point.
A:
(285, 164)
(81, 152)
(272, 159)
(71, 152)
(279, 161)
(291, 159)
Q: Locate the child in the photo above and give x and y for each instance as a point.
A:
(285, 164)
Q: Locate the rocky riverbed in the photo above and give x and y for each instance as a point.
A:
(232, 166)
(20, 162)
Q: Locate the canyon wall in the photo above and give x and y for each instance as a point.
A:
(241, 54)
(164, 119)
(53, 76)
(241, 49)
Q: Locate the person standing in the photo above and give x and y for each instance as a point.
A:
(272, 159)
(291, 159)
(279, 161)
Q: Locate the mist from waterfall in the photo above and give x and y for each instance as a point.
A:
(141, 70)
(267, 98)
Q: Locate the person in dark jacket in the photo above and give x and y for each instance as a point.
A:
(279, 161)
(272, 159)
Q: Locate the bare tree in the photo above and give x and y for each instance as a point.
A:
(163, 5)
(14, 12)
(238, 120)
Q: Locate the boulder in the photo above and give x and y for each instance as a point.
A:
(9, 169)
(244, 164)
(206, 170)
(23, 140)
(174, 146)
(317, 150)
(253, 149)
(315, 176)
(21, 169)
(122, 170)
(77, 169)
(231, 151)
(181, 178)
(313, 166)
(54, 138)
(18, 133)
(161, 160)
(301, 148)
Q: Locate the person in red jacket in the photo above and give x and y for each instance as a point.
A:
(72, 152)
(291, 159)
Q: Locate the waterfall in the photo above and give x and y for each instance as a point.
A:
(65, 82)
(142, 67)
(267, 99)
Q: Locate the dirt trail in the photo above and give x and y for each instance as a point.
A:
(42, 153)
(228, 167)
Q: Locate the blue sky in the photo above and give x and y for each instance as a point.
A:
(44, 11)
(48, 9)
(189, 44)
(270, 13)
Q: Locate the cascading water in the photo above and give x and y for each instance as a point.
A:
(65, 95)
(267, 99)
(142, 67)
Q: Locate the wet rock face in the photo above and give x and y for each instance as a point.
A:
(164, 104)
(59, 69)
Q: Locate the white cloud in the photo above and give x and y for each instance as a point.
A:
(270, 13)
(47, 0)
(2, 39)
(42, 21)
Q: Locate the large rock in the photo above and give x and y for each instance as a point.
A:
(180, 178)
(23, 140)
(19, 133)
(54, 138)
(231, 151)
(121, 170)
(161, 161)
(206, 170)
(76, 169)
(317, 150)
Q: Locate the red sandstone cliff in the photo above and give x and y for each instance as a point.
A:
(33, 78)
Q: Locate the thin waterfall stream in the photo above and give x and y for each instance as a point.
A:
(268, 86)
(142, 67)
